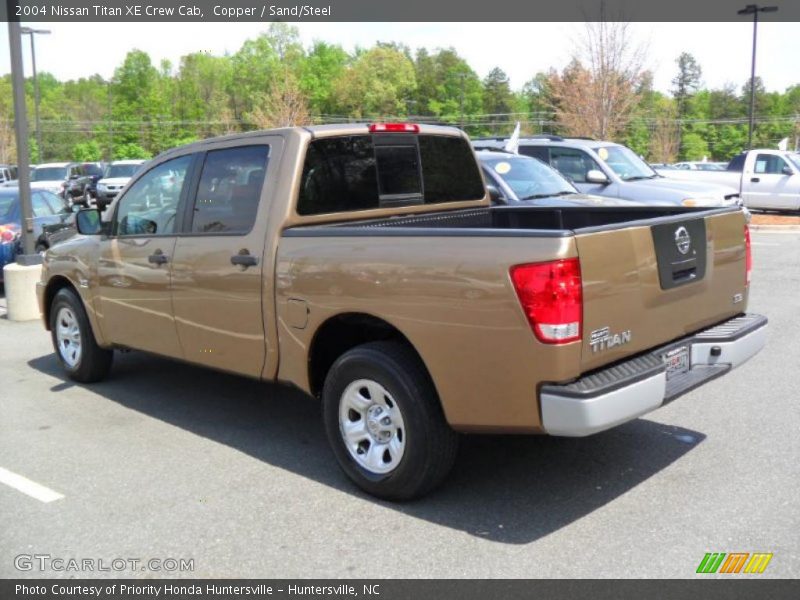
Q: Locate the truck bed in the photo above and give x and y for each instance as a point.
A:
(442, 279)
(511, 220)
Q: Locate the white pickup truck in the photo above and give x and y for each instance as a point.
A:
(766, 179)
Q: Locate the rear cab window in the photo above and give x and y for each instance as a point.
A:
(363, 172)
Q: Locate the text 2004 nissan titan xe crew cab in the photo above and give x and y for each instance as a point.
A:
(365, 265)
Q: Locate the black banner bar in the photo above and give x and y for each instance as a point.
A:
(391, 11)
(744, 587)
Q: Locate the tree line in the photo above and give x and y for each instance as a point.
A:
(604, 92)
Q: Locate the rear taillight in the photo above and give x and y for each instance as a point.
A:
(551, 295)
(8, 233)
(748, 256)
(394, 128)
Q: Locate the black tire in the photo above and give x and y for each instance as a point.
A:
(93, 362)
(430, 444)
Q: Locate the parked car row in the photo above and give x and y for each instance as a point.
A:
(765, 179)
(53, 222)
(8, 173)
(77, 183)
(614, 171)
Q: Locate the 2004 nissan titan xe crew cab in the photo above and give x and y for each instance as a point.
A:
(365, 265)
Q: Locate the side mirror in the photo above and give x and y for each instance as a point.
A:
(596, 176)
(73, 176)
(494, 194)
(88, 222)
(787, 170)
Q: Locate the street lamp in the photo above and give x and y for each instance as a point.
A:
(754, 9)
(33, 32)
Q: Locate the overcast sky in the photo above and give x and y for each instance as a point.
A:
(76, 50)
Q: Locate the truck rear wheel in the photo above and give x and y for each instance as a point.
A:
(74, 341)
(384, 422)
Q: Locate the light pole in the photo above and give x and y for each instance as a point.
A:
(33, 32)
(754, 9)
(29, 256)
(463, 77)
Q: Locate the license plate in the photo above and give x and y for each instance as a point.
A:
(677, 361)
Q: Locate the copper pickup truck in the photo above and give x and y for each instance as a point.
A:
(365, 265)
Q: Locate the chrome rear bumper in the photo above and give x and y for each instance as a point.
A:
(622, 392)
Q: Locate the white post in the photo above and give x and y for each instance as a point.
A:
(20, 285)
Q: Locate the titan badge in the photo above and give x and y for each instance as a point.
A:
(603, 339)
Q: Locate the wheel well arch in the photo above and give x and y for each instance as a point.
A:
(341, 333)
(56, 284)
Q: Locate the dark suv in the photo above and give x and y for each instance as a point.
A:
(82, 186)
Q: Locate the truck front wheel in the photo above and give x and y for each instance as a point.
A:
(384, 422)
(74, 342)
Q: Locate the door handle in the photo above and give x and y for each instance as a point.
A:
(158, 258)
(244, 259)
(755, 179)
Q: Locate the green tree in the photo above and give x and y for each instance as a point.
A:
(87, 152)
(130, 151)
(379, 84)
(536, 98)
(497, 98)
(447, 87)
(686, 82)
(323, 66)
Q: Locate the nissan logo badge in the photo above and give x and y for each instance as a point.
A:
(682, 240)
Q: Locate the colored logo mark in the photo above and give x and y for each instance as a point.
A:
(735, 562)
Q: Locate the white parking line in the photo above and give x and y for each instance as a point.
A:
(26, 486)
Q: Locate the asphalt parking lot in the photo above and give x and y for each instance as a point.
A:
(166, 460)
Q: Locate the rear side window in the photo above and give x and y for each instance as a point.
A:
(539, 152)
(737, 163)
(229, 190)
(365, 172)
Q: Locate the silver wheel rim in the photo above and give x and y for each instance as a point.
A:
(371, 426)
(68, 337)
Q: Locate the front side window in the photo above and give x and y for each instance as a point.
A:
(769, 164)
(229, 190)
(574, 164)
(150, 206)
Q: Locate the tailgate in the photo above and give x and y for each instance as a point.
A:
(648, 284)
